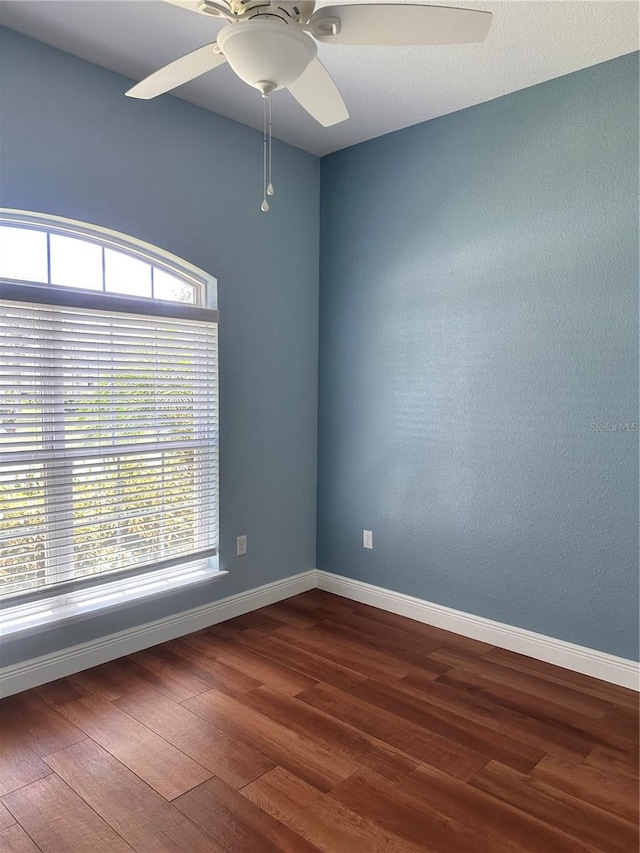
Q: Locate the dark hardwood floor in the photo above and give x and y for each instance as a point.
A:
(320, 724)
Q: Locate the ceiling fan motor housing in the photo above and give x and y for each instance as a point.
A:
(267, 55)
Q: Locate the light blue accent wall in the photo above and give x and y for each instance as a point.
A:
(188, 181)
(478, 332)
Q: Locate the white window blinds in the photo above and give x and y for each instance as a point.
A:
(108, 444)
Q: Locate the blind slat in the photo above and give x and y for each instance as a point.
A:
(39, 591)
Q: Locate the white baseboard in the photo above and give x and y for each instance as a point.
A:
(601, 665)
(31, 673)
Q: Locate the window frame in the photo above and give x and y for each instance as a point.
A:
(51, 603)
(205, 285)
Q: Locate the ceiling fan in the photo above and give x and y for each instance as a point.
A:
(272, 45)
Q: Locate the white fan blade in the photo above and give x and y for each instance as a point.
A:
(211, 8)
(191, 5)
(393, 24)
(186, 68)
(318, 94)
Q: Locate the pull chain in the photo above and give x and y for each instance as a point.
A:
(264, 207)
(269, 184)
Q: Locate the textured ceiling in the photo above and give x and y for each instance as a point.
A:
(384, 88)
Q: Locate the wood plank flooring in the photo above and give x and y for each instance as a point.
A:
(321, 724)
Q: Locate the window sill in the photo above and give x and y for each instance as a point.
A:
(49, 611)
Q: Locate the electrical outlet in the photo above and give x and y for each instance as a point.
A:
(367, 539)
(241, 546)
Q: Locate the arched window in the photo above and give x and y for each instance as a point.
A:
(108, 420)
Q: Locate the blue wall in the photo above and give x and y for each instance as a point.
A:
(190, 182)
(478, 326)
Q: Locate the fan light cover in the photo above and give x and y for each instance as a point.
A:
(265, 54)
